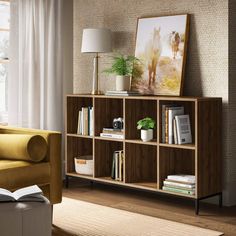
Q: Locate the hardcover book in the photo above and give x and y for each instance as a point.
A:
(183, 129)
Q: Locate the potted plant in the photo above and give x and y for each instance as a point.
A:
(146, 125)
(123, 67)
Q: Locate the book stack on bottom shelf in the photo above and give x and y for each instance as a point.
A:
(117, 166)
(184, 184)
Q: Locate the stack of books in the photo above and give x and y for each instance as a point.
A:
(176, 127)
(117, 171)
(85, 121)
(184, 184)
(122, 93)
(112, 133)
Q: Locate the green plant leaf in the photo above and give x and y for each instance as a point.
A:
(146, 123)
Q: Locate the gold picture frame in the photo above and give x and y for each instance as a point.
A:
(161, 46)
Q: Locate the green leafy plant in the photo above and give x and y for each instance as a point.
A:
(125, 65)
(146, 123)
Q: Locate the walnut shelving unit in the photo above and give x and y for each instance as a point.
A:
(147, 164)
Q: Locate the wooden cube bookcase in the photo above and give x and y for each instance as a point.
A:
(147, 164)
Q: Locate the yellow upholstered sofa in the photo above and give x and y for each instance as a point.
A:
(15, 174)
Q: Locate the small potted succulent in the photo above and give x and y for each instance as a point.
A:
(146, 126)
(124, 67)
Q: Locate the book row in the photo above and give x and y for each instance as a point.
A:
(117, 169)
(85, 121)
(176, 127)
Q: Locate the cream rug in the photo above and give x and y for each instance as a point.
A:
(88, 219)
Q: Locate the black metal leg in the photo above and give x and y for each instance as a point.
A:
(196, 206)
(67, 181)
(220, 199)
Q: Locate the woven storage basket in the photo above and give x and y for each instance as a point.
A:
(84, 165)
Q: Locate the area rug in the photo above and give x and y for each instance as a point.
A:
(87, 219)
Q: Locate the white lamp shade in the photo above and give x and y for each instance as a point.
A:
(96, 40)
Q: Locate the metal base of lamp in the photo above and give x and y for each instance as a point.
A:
(96, 92)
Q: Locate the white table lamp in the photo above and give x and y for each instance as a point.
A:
(96, 41)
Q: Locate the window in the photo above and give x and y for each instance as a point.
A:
(4, 55)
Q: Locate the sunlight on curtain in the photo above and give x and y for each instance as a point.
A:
(35, 73)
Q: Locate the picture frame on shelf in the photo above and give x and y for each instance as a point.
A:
(161, 45)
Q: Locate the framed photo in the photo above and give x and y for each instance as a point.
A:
(161, 44)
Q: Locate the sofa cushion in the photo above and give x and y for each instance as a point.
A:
(17, 174)
(22, 147)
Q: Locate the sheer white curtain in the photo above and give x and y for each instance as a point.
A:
(35, 73)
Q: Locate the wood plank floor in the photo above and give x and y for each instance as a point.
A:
(161, 206)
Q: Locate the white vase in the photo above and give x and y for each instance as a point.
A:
(146, 135)
(122, 82)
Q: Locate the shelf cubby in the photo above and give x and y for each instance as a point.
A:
(105, 111)
(77, 146)
(136, 110)
(104, 150)
(175, 161)
(74, 105)
(189, 109)
(141, 165)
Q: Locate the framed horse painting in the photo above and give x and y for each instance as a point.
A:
(161, 44)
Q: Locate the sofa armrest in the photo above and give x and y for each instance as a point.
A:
(53, 156)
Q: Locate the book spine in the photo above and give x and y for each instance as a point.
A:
(91, 122)
(170, 126)
(85, 121)
(79, 123)
(175, 132)
(189, 192)
(112, 132)
(183, 179)
(166, 125)
(89, 108)
(116, 166)
(82, 121)
(171, 184)
(115, 136)
(113, 166)
(163, 123)
(121, 165)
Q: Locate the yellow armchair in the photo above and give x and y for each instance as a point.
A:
(15, 174)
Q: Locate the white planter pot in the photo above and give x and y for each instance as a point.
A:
(146, 135)
(122, 83)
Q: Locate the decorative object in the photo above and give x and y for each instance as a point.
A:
(146, 125)
(84, 165)
(161, 44)
(124, 67)
(96, 41)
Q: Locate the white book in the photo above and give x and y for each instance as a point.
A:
(79, 123)
(175, 132)
(117, 172)
(82, 122)
(173, 111)
(32, 193)
(183, 178)
(121, 165)
(175, 184)
(183, 129)
(91, 121)
(115, 136)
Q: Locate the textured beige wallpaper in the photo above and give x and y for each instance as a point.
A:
(207, 56)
